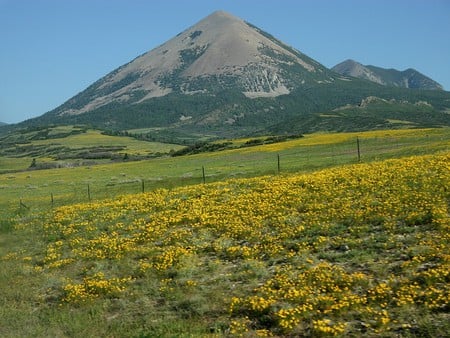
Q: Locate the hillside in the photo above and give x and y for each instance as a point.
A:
(72, 146)
(409, 78)
(113, 175)
(352, 251)
(224, 77)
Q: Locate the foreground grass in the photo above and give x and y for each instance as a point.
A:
(358, 250)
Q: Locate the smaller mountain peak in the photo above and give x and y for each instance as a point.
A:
(348, 67)
(350, 61)
(409, 78)
(410, 70)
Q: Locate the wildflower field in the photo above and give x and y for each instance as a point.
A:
(355, 250)
(44, 189)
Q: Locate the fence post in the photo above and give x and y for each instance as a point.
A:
(143, 186)
(203, 175)
(89, 193)
(51, 196)
(278, 160)
(357, 146)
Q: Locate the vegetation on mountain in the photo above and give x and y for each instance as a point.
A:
(187, 91)
(409, 78)
(179, 118)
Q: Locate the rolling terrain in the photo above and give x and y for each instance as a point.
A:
(354, 250)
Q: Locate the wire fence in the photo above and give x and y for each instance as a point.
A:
(252, 162)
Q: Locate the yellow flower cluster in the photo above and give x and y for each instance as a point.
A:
(388, 219)
(93, 287)
(169, 257)
(325, 326)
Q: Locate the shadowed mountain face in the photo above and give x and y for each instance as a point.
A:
(224, 77)
(409, 78)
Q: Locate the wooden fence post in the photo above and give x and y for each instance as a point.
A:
(357, 146)
(203, 175)
(278, 158)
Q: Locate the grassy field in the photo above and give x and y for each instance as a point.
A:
(357, 250)
(324, 247)
(69, 185)
(68, 146)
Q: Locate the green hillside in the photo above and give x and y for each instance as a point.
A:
(302, 111)
(72, 146)
(40, 189)
(354, 251)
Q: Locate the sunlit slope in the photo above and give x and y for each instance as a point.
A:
(69, 146)
(314, 151)
(350, 251)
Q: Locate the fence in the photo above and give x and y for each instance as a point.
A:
(219, 166)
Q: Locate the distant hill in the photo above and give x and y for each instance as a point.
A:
(224, 77)
(3, 124)
(409, 78)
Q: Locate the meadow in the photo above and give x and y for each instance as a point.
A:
(354, 249)
(44, 189)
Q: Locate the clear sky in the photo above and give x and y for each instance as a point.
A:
(52, 49)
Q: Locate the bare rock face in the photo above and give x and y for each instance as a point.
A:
(219, 52)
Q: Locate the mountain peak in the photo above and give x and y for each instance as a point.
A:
(222, 14)
(219, 19)
(409, 78)
(224, 77)
(221, 51)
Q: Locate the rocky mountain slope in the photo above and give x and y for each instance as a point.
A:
(219, 52)
(409, 78)
(224, 77)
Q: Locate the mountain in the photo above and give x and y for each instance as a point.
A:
(224, 77)
(409, 78)
(218, 53)
(3, 124)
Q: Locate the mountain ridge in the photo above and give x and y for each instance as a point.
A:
(409, 78)
(224, 77)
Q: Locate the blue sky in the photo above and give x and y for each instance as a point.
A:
(52, 49)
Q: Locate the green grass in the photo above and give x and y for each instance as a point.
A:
(67, 146)
(227, 258)
(315, 151)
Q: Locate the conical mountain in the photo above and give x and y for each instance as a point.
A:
(224, 77)
(219, 52)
